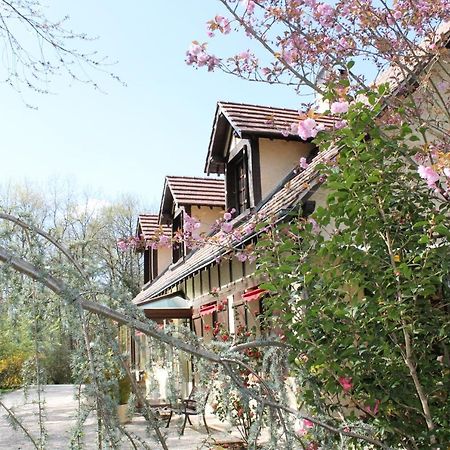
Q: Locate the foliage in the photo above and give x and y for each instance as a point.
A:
(11, 371)
(241, 411)
(124, 390)
(52, 51)
(56, 361)
(361, 289)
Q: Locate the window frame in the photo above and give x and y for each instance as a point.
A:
(178, 249)
(238, 182)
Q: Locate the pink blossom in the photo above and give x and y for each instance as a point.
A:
(306, 424)
(195, 48)
(202, 59)
(251, 258)
(428, 174)
(249, 6)
(325, 10)
(242, 257)
(303, 164)
(196, 54)
(340, 124)
(339, 107)
(249, 228)
(190, 223)
(213, 62)
(315, 225)
(227, 227)
(375, 408)
(227, 216)
(346, 383)
(223, 23)
(237, 235)
(122, 245)
(164, 241)
(307, 128)
(446, 172)
(324, 14)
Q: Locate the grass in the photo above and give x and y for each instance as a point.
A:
(6, 390)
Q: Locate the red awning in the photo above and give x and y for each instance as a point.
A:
(253, 294)
(208, 309)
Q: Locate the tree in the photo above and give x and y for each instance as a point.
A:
(312, 46)
(364, 307)
(362, 287)
(33, 64)
(40, 333)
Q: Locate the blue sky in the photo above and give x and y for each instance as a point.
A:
(127, 140)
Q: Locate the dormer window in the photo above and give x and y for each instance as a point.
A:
(238, 192)
(150, 264)
(200, 198)
(155, 260)
(255, 149)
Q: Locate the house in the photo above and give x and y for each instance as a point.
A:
(258, 160)
(252, 149)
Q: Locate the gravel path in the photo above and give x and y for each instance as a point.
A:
(60, 410)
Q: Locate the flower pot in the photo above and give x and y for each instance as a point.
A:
(123, 414)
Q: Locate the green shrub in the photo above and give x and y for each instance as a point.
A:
(124, 390)
(56, 363)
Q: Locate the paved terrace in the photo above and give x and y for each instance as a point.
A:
(61, 407)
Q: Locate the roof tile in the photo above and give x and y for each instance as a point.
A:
(255, 119)
(197, 191)
(149, 224)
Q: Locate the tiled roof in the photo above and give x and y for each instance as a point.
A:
(261, 120)
(287, 196)
(197, 191)
(248, 121)
(149, 224)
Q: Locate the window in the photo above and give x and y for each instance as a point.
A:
(154, 259)
(150, 264)
(147, 265)
(177, 247)
(238, 194)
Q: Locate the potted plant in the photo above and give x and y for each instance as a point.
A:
(124, 395)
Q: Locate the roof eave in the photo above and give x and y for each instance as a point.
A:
(247, 134)
(218, 140)
(165, 206)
